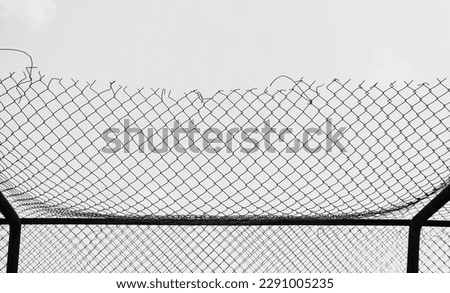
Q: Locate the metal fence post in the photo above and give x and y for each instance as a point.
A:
(14, 234)
(413, 248)
(416, 225)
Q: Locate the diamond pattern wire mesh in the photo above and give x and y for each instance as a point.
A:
(213, 249)
(397, 159)
(396, 139)
(435, 250)
(4, 233)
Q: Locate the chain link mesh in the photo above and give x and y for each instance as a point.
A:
(396, 140)
(213, 249)
(396, 159)
(435, 250)
(4, 233)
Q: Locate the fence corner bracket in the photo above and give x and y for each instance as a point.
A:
(15, 227)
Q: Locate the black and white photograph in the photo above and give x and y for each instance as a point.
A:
(224, 145)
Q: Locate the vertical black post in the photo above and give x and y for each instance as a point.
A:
(413, 249)
(416, 225)
(13, 249)
(14, 234)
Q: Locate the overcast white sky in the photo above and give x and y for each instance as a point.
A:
(213, 45)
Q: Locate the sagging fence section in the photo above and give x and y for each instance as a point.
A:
(295, 177)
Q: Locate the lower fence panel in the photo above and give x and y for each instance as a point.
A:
(139, 248)
(4, 235)
(435, 250)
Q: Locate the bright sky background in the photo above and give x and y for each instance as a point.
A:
(211, 45)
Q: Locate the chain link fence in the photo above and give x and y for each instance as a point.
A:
(3, 247)
(213, 249)
(435, 250)
(293, 150)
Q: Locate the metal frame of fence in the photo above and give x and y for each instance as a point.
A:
(420, 220)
